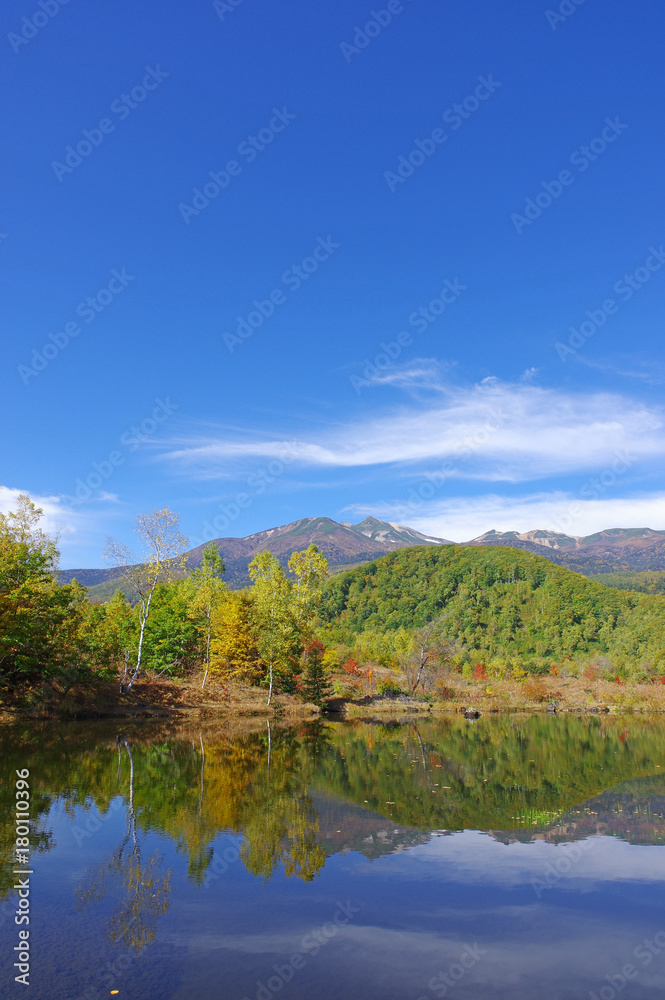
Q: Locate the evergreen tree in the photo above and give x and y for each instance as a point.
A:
(316, 679)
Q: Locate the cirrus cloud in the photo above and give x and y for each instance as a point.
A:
(498, 431)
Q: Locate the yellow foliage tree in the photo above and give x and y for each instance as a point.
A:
(234, 653)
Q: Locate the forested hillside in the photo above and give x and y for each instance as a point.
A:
(646, 582)
(413, 617)
(496, 601)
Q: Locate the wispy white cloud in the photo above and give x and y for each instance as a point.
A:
(515, 432)
(421, 374)
(463, 518)
(57, 519)
(650, 372)
(76, 528)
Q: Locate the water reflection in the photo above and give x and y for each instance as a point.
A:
(144, 887)
(222, 850)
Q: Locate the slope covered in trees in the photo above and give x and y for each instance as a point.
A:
(496, 602)
(644, 582)
(407, 619)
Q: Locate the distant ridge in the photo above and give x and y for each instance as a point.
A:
(345, 544)
(608, 551)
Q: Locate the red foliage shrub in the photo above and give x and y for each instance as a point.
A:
(480, 671)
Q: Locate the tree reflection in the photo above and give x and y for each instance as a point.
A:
(510, 773)
(280, 824)
(144, 889)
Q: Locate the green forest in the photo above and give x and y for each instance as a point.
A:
(642, 581)
(420, 612)
(498, 603)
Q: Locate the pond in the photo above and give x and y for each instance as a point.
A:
(507, 857)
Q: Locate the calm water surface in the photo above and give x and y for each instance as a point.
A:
(513, 857)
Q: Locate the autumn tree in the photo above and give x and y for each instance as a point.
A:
(164, 547)
(272, 613)
(429, 652)
(41, 634)
(310, 569)
(234, 652)
(110, 633)
(207, 592)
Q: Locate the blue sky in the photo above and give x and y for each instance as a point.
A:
(264, 262)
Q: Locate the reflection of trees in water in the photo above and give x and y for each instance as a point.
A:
(144, 888)
(436, 774)
(285, 834)
(492, 774)
(280, 824)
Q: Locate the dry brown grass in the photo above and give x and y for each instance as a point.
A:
(570, 694)
(535, 691)
(161, 698)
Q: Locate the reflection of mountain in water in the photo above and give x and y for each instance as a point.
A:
(633, 811)
(344, 827)
(298, 796)
(498, 774)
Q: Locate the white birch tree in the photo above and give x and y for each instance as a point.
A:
(164, 548)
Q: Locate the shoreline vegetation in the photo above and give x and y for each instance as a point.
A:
(156, 698)
(425, 630)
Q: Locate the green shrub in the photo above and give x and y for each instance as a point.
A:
(389, 688)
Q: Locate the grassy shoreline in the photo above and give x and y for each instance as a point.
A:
(158, 698)
(542, 695)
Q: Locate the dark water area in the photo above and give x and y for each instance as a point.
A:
(508, 857)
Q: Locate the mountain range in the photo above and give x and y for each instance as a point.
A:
(346, 545)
